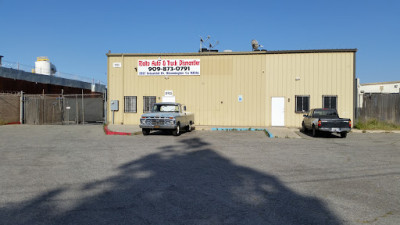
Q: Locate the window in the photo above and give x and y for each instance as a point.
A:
(130, 104)
(329, 102)
(148, 102)
(302, 103)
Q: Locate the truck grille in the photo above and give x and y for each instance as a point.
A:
(156, 121)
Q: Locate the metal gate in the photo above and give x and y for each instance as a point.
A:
(63, 109)
(9, 108)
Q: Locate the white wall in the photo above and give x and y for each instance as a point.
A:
(387, 87)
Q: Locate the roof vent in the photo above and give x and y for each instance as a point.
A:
(255, 46)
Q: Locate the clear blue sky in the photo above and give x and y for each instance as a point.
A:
(76, 35)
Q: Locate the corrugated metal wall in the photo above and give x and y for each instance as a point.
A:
(318, 74)
(213, 96)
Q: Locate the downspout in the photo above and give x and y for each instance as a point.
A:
(355, 111)
(123, 87)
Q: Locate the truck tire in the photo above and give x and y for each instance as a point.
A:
(343, 134)
(189, 127)
(145, 131)
(177, 131)
(314, 132)
(303, 127)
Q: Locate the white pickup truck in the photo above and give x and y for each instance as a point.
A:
(167, 116)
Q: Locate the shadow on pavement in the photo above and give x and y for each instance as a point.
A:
(320, 134)
(186, 183)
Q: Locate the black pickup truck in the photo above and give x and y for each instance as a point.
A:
(325, 120)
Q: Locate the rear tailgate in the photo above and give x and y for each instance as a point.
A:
(335, 123)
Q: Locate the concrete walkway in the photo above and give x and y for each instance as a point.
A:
(276, 132)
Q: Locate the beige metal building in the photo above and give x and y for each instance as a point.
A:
(248, 89)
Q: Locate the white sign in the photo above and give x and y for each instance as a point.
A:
(169, 67)
(117, 65)
(240, 98)
(168, 98)
(168, 93)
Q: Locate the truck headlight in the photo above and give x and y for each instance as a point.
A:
(170, 122)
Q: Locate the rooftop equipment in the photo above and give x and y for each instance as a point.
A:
(43, 66)
(210, 46)
(255, 45)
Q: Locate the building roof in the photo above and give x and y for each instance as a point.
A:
(47, 79)
(378, 83)
(235, 53)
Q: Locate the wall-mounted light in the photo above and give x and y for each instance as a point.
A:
(297, 78)
(136, 69)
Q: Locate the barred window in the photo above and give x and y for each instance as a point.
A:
(302, 103)
(130, 104)
(329, 102)
(148, 102)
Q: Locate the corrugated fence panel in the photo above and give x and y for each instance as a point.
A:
(9, 108)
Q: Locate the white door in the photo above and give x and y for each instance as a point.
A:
(278, 111)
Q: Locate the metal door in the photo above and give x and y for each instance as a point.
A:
(278, 111)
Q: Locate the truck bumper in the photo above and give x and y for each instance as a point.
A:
(158, 127)
(334, 130)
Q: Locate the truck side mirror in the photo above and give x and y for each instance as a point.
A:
(184, 108)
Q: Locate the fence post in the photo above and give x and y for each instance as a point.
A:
(77, 111)
(21, 108)
(43, 108)
(62, 106)
(83, 111)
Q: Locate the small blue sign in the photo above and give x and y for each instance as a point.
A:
(240, 98)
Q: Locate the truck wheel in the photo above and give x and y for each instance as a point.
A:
(189, 127)
(343, 134)
(314, 132)
(304, 129)
(177, 131)
(145, 131)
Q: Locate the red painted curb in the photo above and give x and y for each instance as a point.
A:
(13, 123)
(109, 132)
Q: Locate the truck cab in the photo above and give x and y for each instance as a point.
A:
(167, 116)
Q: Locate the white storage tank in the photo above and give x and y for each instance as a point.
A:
(43, 66)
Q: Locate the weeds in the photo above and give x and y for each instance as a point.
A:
(376, 125)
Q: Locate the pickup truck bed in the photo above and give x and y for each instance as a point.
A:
(326, 120)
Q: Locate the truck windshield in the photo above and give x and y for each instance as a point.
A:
(325, 113)
(166, 108)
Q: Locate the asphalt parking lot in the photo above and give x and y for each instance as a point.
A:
(77, 175)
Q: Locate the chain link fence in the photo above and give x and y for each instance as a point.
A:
(63, 109)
